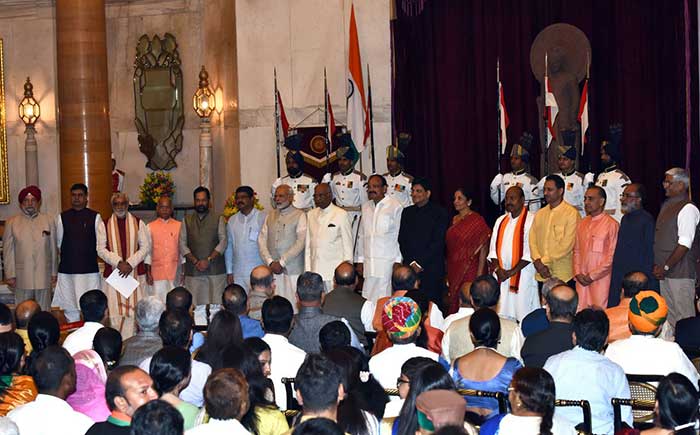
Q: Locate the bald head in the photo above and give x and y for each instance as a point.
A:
(345, 275)
(633, 283)
(261, 280)
(25, 311)
(403, 278)
(562, 302)
(464, 294)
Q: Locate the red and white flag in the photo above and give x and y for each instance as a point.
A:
(358, 116)
(503, 117)
(284, 124)
(551, 107)
(331, 120)
(583, 114)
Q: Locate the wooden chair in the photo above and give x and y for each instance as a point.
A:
(501, 398)
(617, 405)
(643, 395)
(586, 426)
(292, 403)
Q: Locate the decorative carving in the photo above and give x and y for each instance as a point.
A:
(158, 100)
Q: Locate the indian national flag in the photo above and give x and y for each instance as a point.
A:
(358, 117)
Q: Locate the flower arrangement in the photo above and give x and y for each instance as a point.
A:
(155, 185)
(230, 208)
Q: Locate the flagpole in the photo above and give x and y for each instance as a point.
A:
(277, 125)
(325, 105)
(498, 130)
(546, 122)
(371, 119)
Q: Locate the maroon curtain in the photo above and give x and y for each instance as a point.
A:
(445, 86)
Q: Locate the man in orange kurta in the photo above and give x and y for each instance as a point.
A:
(596, 238)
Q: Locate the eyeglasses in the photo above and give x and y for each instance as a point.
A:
(400, 381)
(628, 195)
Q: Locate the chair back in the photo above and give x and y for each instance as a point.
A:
(501, 398)
(292, 403)
(585, 409)
(643, 394)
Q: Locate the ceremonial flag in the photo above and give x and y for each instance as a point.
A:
(551, 110)
(331, 119)
(358, 117)
(583, 114)
(284, 124)
(503, 117)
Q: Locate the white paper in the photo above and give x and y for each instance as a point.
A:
(125, 286)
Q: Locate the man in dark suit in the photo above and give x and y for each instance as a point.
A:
(344, 302)
(561, 309)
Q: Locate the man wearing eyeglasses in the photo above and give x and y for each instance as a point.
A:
(634, 251)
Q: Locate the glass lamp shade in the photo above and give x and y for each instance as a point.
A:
(29, 109)
(204, 102)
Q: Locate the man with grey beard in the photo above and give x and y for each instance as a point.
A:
(123, 244)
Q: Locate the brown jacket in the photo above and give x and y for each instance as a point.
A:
(29, 249)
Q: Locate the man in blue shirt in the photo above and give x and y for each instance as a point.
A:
(235, 300)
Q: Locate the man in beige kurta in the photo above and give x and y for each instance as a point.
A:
(29, 248)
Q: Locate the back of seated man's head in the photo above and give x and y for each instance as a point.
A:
(403, 278)
(261, 279)
(54, 372)
(548, 285)
(175, 328)
(562, 302)
(310, 288)
(318, 426)
(127, 389)
(148, 312)
(318, 384)
(25, 311)
(591, 327)
(277, 315)
(345, 275)
(6, 323)
(333, 335)
(401, 319)
(633, 283)
(157, 417)
(178, 298)
(234, 299)
(226, 394)
(93, 305)
(485, 292)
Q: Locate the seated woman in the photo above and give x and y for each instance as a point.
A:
(263, 353)
(43, 331)
(223, 331)
(171, 372)
(531, 395)
(91, 369)
(483, 368)
(409, 370)
(15, 389)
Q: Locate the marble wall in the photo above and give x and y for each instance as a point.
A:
(240, 42)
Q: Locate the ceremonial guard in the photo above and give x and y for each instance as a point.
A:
(519, 176)
(399, 182)
(302, 184)
(612, 179)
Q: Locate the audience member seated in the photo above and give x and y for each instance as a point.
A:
(277, 315)
(440, 408)
(560, 305)
(583, 373)
(235, 300)
(262, 352)
(175, 329)
(484, 368)
(401, 318)
(537, 320)
(93, 305)
(91, 369)
(319, 388)
(676, 409)
(333, 335)
(687, 333)
(157, 417)
(146, 342)
(645, 353)
(531, 395)
(223, 331)
(54, 376)
(318, 426)
(430, 337)
(485, 293)
(170, 370)
(127, 389)
(362, 408)
(226, 401)
(6, 323)
(431, 377)
(465, 306)
(344, 302)
(180, 299)
(43, 332)
(15, 389)
(262, 288)
(8, 427)
(263, 417)
(632, 284)
(409, 370)
(23, 314)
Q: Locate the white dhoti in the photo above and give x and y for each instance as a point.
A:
(70, 287)
(122, 311)
(286, 286)
(516, 306)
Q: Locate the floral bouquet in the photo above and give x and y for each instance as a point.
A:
(155, 185)
(230, 208)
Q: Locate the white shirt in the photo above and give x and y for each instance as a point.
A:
(328, 240)
(613, 181)
(461, 313)
(386, 365)
(286, 360)
(575, 185)
(349, 191)
(399, 188)
(303, 187)
(81, 338)
(242, 253)
(520, 425)
(524, 180)
(194, 393)
(370, 307)
(648, 355)
(688, 219)
(219, 427)
(378, 238)
(111, 257)
(49, 415)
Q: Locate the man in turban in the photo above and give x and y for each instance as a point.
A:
(518, 176)
(29, 248)
(612, 179)
(645, 352)
(401, 320)
(399, 181)
(301, 183)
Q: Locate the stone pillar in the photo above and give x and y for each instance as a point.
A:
(83, 101)
(31, 162)
(205, 154)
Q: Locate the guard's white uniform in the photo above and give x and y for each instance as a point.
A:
(399, 187)
(303, 187)
(575, 185)
(613, 181)
(524, 180)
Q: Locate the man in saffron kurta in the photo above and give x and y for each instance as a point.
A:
(596, 238)
(553, 233)
(122, 242)
(163, 262)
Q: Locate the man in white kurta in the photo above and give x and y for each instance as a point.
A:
(510, 259)
(328, 236)
(242, 231)
(76, 238)
(123, 244)
(378, 239)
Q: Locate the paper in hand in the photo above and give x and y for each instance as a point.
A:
(125, 286)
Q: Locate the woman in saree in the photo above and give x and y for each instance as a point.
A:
(15, 389)
(467, 242)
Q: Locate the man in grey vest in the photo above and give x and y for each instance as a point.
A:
(311, 318)
(203, 243)
(676, 247)
(281, 242)
(343, 301)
